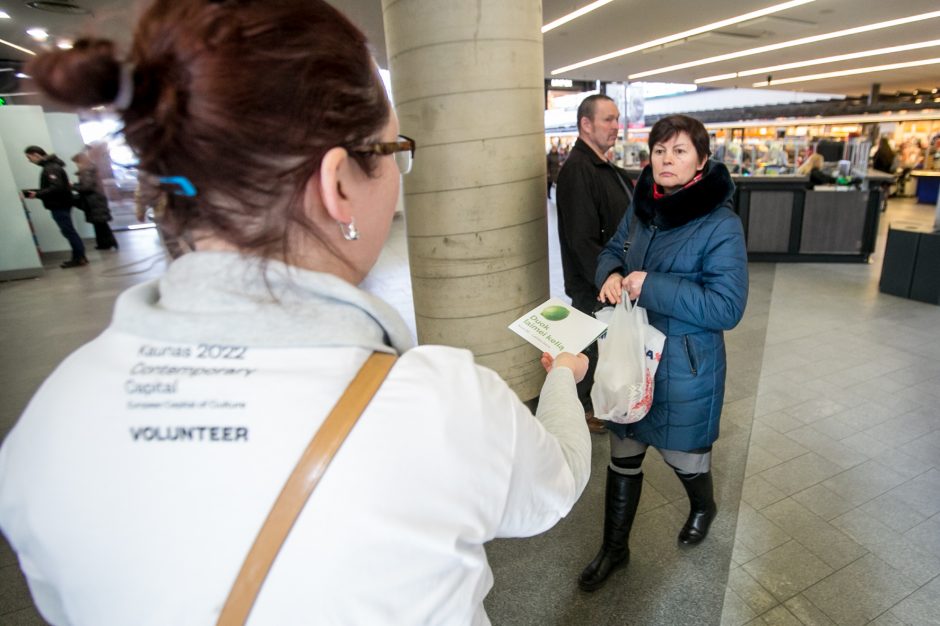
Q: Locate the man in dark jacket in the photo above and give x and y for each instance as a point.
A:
(592, 196)
(56, 195)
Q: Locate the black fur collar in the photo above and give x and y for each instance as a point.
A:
(713, 190)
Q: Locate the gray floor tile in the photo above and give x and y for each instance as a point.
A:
(864, 482)
(758, 460)
(827, 447)
(921, 493)
(750, 591)
(808, 613)
(866, 415)
(900, 430)
(814, 533)
(921, 607)
(741, 554)
(780, 616)
(815, 410)
(891, 547)
(865, 444)
(887, 619)
(926, 535)
(734, 611)
(861, 591)
(759, 493)
(923, 451)
(781, 446)
(800, 473)
(787, 570)
(835, 428)
(780, 421)
(893, 512)
(823, 502)
(756, 533)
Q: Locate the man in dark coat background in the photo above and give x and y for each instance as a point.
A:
(56, 195)
(592, 196)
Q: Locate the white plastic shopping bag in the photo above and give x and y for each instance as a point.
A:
(628, 357)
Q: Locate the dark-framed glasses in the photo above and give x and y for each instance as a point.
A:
(403, 150)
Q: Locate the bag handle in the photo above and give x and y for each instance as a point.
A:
(301, 483)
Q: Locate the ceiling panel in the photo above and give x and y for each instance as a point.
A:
(620, 24)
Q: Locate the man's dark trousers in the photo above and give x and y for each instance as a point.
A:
(63, 217)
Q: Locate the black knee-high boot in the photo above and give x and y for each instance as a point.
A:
(620, 503)
(702, 508)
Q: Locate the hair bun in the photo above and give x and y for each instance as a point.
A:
(86, 75)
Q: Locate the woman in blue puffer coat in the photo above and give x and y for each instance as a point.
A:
(680, 253)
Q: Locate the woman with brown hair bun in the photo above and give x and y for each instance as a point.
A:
(137, 480)
(93, 201)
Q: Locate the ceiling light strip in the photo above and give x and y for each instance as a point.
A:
(790, 44)
(684, 34)
(13, 45)
(575, 15)
(860, 70)
(820, 61)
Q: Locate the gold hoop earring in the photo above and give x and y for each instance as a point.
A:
(350, 232)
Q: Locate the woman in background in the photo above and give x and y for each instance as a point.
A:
(93, 201)
(812, 167)
(136, 500)
(680, 253)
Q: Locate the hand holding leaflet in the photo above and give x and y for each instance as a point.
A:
(555, 327)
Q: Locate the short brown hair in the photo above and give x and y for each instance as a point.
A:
(671, 125)
(241, 98)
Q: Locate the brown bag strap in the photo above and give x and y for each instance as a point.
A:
(301, 483)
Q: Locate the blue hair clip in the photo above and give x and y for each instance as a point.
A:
(184, 187)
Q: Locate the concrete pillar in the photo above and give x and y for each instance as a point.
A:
(467, 80)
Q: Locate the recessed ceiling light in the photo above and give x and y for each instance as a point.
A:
(860, 70)
(20, 48)
(840, 57)
(39, 34)
(53, 6)
(22, 75)
(64, 44)
(4, 15)
(684, 34)
(790, 44)
(575, 15)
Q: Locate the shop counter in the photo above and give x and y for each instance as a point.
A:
(784, 221)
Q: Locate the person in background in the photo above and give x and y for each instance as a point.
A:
(644, 157)
(55, 192)
(591, 197)
(686, 264)
(885, 157)
(137, 500)
(553, 165)
(812, 167)
(92, 201)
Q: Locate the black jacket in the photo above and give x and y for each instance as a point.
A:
(591, 199)
(819, 177)
(91, 199)
(54, 188)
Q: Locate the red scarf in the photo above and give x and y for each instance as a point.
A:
(659, 192)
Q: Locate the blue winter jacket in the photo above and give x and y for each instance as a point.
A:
(691, 244)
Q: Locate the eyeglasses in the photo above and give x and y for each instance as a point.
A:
(403, 149)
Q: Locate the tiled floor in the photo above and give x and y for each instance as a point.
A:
(840, 510)
(828, 469)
